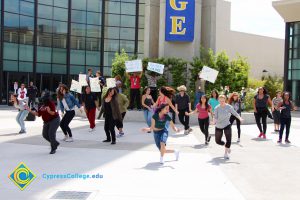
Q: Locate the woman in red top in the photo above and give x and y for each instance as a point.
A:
(51, 121)
(135, 85)
(203, 109)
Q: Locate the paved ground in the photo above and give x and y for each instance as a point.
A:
(258, 169)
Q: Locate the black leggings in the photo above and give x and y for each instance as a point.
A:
(238, 124)
(263, 116)
(64, 123)
(204, 124)
(109, 128)
(184, 119)
(219, 135)
(135, 97)
(285, 122)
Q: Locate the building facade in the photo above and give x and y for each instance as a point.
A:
(289, 10)
(51, 41)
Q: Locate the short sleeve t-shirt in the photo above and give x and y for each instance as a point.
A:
(213, 102)
(44, 113)
(161, 123)
(202, 112)
(135, 82)
(182, 101)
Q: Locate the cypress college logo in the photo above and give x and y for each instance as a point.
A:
(22, 176)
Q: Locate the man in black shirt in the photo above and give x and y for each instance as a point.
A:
(32, 92)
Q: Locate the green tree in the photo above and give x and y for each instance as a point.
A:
(273, 84)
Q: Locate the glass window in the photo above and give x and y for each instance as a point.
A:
(60, 27)
(127, 33)
(111, 45)
(59, 69)
(94, 18)
(11, 36)
(60, 41)
(60, 14)
(12, 5)
(295, 74)
(11, 20)
(141, 22)
(128, 46)
(9, 65)
(108, 56)
(78, 16)
(296, 41)
(132, 1)
(45, 11)
(26, 37)
(44, 26)
(44, 54)
(128, 8)
(142, 9)
(59, 56)
(26, 24)
(93, 44)
(79, 4)
(112, 7)
(43, 68)
(26, 52)
(61, 3)
(77, 70)
(127, 21)
(112, 20)
(141, 34)
(296, 53)
(47, 2)
(93, 31)
(77, 43)
(107, 71)
(25, 67)
(141, 47)
(27, 8)
(92, 58)
(112, 32)
(10, 51)
(94, 5)
(297, 28)
(296, 64)
(78, 29)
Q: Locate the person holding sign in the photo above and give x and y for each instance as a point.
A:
(101, 83)
(90, 103)
(152, 83)
(67, 103)
(135, 85)
(199, 89)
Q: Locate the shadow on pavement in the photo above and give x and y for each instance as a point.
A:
(200, 146)
(9, 134)
(154, 166)
(260, 139)
(221, 160)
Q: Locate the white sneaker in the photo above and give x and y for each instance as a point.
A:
(226, 156)
(162, 160)
(65, 138)
(186, 132)
(92, 129)
(238, 140)
(176, 152)
(70, 139)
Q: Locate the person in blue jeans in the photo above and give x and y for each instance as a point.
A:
(147, 102)
(286, 106)
(20, 104)
(67, 103)
(161, 133)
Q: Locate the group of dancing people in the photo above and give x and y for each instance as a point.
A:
(159, 112)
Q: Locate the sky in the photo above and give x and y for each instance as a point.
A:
(256, 17)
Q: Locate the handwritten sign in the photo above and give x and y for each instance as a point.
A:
(155, 67)
(82, 80)
(111, 82)
(134, 66)
(209, 74)
(95, 84)
(76, 87)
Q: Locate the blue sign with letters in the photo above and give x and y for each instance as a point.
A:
(180, 20)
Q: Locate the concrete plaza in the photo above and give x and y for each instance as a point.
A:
(258, 169)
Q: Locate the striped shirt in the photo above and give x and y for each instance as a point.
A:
(152, 80)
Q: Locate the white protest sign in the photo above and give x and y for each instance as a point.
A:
(111, 82)
(134, 66)
(82, 80)
(209, 74)
(95, 86)
(76, 87)
(155, 67)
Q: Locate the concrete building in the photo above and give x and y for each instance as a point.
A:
(289, 10)
(52, 41)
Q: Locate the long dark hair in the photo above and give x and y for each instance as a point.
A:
(286, 92)
(167, 91)
(108, 91)
(265, 91)
(206, 102)
(160, 108)
(145, 89)
(217, 94)
(60, 95)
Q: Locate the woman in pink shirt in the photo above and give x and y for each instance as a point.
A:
(203, 109)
